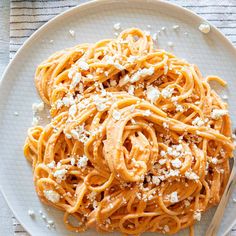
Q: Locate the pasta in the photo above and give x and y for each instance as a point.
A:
(137, 141)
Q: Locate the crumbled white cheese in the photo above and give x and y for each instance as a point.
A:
(116, 26)
(162, 161)
(69, 136)
(35, 121)
(175, 27)
(131, 89)
(191, 175)
(167, 92)
(16, 113)
(154, 36)
(165, 125)
(132, 58)
(204, 28)
(156, 180)
(72, 161)
(214, 160)
(179, 108)
(217, 113)
(149, 26)
(170, 44)
(152, 94)
(80, 133)
(147, 113)
(225, 97)
(141, 73)
(72, 32)
(76, 79)
(198, 121)
(163, 28)
(116, 115)
(83, 65)
(101, 106)
(162, 153)
(174, 99)
(186, 203)
(166, 228)
(51, 165)
(36, 107)
(72, 110)
(176, 163)
(31, 213)
(83, 161)
(60, 174)
(52, 196)
(197, 215)
(173, 197)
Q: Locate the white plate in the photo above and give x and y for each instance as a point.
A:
(213, 53)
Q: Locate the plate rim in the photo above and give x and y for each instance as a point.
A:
(80, 7)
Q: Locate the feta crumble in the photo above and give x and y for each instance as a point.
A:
(204, 28)
(72, 110)
(51, 165)
(83, 161)
(170, 44)
(166, 228)
(214, 160)
(116, 26)
(35, 121)
(31, 213)
(191, 175)
(198, 121)
(197, 215)
(217, 113)
(147, 113)
(156, 180)
(176, 163)
(72, 32)
(52, 196)
(60, 174)
(167, 92)
(179, 108)
(83, 65)
(72, 161)
(116, 115)
(165, 125)
(154, 36)
(162, 161)
(175, 27)
(36, 107)
(141, 73)
(131, 90)
(152, 94)
(173, 197)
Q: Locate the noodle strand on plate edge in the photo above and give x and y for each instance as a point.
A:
(137, 141)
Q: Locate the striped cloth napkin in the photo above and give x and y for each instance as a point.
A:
(26, 16)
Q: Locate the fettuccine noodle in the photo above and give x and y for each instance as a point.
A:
(137, 141)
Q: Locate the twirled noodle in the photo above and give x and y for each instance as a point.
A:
(138, 141)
